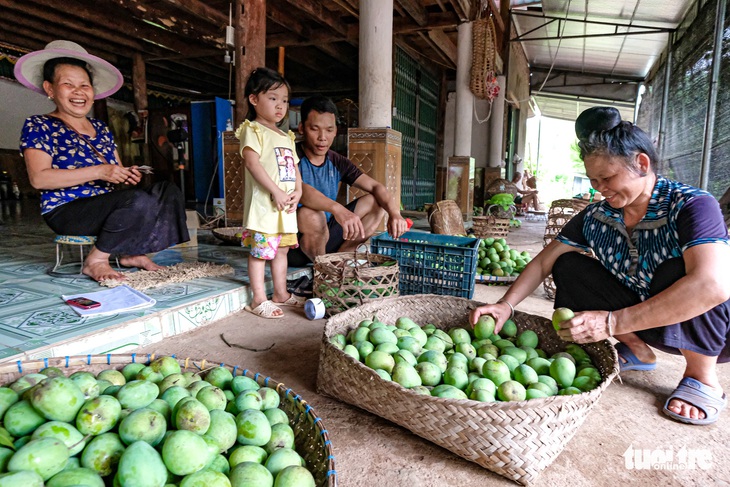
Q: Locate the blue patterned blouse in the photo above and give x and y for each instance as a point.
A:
(69, 151)
(678, 217)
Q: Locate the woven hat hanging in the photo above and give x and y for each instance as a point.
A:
(483, 82)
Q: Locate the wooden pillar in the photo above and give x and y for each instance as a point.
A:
(139, 88)
(250, 22)
(282, 60)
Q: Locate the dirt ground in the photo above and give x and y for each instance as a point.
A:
(625, 424)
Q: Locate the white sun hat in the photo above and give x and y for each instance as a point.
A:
(29, 68)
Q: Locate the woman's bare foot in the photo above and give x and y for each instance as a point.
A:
(100, 270)
(139, 261)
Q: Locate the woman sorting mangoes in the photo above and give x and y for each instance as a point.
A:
(660, 274)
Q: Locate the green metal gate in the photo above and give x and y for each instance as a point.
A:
(416, 117)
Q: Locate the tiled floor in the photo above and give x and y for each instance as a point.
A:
(35, 323)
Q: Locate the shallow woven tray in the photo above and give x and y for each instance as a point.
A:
(228, 234)
(310, 436)
(495, 279)
(514, 439)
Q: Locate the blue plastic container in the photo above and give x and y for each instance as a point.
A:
(431, 263)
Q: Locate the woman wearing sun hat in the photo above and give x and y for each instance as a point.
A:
(74, 163)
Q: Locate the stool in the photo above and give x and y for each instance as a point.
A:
(70, 269)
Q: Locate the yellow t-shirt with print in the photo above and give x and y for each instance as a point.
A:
(278, 156)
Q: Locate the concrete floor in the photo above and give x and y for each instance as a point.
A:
(626, 423)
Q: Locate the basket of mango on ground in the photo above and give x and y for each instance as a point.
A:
(507, 402)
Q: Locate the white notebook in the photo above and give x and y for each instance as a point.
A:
(114, 300)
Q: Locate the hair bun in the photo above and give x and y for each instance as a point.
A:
(596, 119)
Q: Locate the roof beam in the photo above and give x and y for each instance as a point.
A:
(416, 10)
(201, 11)
(444, 44)
(321, 14)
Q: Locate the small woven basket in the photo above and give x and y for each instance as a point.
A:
(310, 435)
(560, 212)
(344, 280)
(514, 439)
(490, 226)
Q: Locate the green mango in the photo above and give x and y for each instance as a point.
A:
(185, 452)
(249, 474)
(206, 478)
(22, 478)
(76, 476)
(137, 394)
(98, 415)
(8, 397)
(222, 429)
(22, 419)
(282, 458)
(143, 424)
(282, 436)
(141, 466)
(63, 432)
(102, 454)
(44, 456)
(58, 399)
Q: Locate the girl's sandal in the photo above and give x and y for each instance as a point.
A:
(265, 310)
(294, 300)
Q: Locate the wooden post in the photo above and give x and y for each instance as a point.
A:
(139, 87)
(282, 58)
(250, 22)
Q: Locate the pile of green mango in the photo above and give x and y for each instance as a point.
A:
(467, 363)
(496, 258)
(146, 426)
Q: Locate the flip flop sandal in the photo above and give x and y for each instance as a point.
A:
(293, 300)
(628, 361)
(700, 396)
(265, 310)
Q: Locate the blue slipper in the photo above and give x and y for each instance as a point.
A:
(700, 396)
(628, 361)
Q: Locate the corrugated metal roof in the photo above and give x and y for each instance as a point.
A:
(594, 49)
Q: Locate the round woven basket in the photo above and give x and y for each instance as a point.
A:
(228, 234)
(310, 435)
(490, 226)
(514, 439)
(344, 280)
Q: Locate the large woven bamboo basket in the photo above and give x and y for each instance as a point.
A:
(310, 436)
(344, 280)
(514, 439)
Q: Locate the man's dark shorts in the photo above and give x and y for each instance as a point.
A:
(297, 258)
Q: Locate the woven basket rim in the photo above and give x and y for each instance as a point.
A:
(21, 367)
(227, 234)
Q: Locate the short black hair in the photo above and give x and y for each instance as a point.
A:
(318, 103)
(262, 80)
(49, 68)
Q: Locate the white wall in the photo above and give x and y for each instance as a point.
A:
(479, 136)
(18, 103)
(480, 133)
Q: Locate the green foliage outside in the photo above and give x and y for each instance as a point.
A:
(558, 162)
